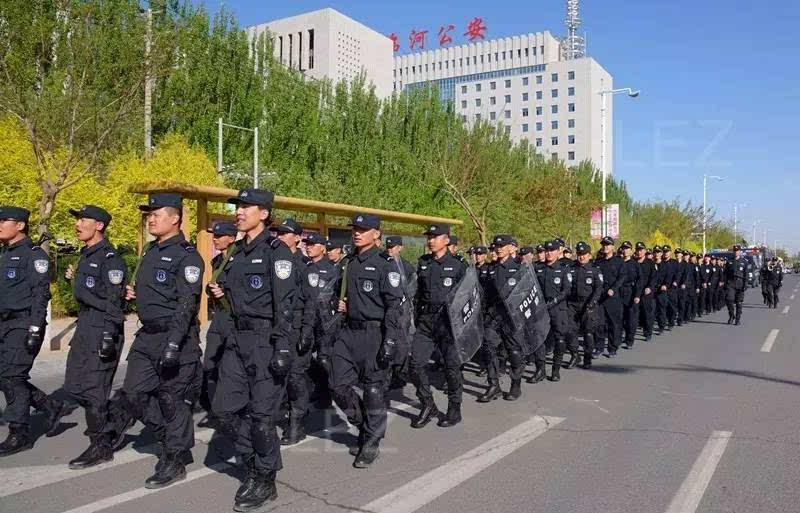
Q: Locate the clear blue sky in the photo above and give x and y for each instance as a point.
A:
(720, 85)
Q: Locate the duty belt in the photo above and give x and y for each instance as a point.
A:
(362, 325)
(156, 326)
(431, 308)
(14, 314)
(251, 323)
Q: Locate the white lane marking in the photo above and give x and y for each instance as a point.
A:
(695, 396)
(138, 493)
(767, 347)
(694, 486)
(786, 309)
(20, 479)
(592, 402)
(791, 297)
(422, 490)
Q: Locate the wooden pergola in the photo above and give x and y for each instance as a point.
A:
(324, 211)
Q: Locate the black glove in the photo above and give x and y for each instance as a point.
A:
(281, 362)
(34, 341)
(305, 343)
(386, 353)
(108, 349)
(171, 355)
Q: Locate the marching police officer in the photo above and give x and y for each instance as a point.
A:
(583, 301)
(438, 273)
(774, 279)
(556, 281)
(526, 252)
(335, 252)
(223, 236)
(735, 274)
(367, 342)
(704, 306)
(692, 287)
(262, 288)
(613, 269)
(681, 279)
(539, 256)
(163, 360)
(630, 293)
(719, 294)
(670, 280)
(649, 276)
(397, 376)
(99, 285)
(24, 293)
(662, 282)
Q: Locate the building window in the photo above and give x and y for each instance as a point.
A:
(492, 100)
(492, 85)
(554, 93)
(524, 127)
(571, 139)
(310, 48)
(495, 57)
(508, 130)
(554, 77)
(477, 88)
(477, 117)
(524, 81)
(508, 84)
(538, 141)
(524, 113)
(504, 55)
(413, 69)
(570, 75)
(538, 95)
(538, 111)
(538, 79)
(541, 49)
(481, 59)
(463, 104)
(554, 109)
(463, 118)
(534, 51)
(554, 156)
(463, 89)
(554, 141)
(571, 91)
(460, 62)
(571, 107)
(554, 125)
(526, 52)
(474, 59)
(489, 57)
(538, 126)
(524, 97)
(446, 64)
(492, 115)
(570, 155)
(571, 123)
(508, 98)
(508, 114)
(477, 102)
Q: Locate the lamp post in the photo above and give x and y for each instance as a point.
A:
(736, 220)
(220, 124)
(633, 94)
(705, 212)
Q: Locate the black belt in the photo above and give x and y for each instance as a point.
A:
(362, 325)
(431, 308)
(251, 323)
(14, 314)
(156, 326)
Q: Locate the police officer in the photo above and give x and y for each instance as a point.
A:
(630, 294)
(670, 279)
(681, 279)
(735, 275)
(438, 273)
(261, 286)
(649, 276)
(335, 251)
(583, 302)
(774, 279)
(502, 275)
(99, 284)
(223, 236)
(556, 282)
(613, 269)
(24, 293)
(662, 289)
(398, 374)
(539, 256)
(367, 343)
(163, 360)
(693, 286)
(526, 253)
(704, 295)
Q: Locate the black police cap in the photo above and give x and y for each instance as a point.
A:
(582, 248)
(161, 200)
(368, 221)
(560, 241)
(657, 249)
(289, 225)
(333, 244)
(551, 245)
(437, 229)
(540, 248)
(259, 197)
(640, 245)
(607, 241)
(15, 213)
(221, 228)
(315, 238)
(453, 241)
(737, 247)
(503, 239)
(626, 245)
(666, 248)
(678, 251)
(91, 212)
(525, 250)
(481, 250)
(394, 240)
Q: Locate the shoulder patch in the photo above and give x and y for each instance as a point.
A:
(283, 269)
(41, 265)
(115, 276)
(191, 273)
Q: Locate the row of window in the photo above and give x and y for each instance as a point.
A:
(525, 81)
(507, 115)
(452, 62)
(525, 95)
(493, 101)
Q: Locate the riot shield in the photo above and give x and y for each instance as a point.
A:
(325, 305)
(464, 313)
(407, 327)
(525, 308)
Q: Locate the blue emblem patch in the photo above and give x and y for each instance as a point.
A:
(161, 276)
(11, 273)
(90, 282)
(256, 282)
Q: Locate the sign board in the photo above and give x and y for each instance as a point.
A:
(612, 220)
(596, 224)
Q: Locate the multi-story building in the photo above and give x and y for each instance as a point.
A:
(528, 86)
(328, 44)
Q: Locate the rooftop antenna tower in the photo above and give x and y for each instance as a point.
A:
(573, 46)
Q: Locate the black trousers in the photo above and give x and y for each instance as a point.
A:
(662, 309)
(672, 306)
(495, 340)
(433, 333)
(613, 311)
(218, 332)
(647, 313)
(15, 368)
(630, 316)
(734, 298)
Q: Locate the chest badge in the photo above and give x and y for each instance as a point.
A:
(512, 282)
(367, 286)
(256, 282)
(90, 282)
(11, 273)
(161, 275)
(448, 282)
(589, 281)
(556, 280)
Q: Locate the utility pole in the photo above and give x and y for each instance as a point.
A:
(148, 87)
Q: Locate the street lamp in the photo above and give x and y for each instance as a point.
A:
(755, 222)
(736, 221)
(705, 212)
(633, 94)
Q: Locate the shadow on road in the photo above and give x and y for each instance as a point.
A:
(715, 370)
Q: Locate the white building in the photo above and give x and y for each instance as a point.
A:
(525, 84)
(328, 44)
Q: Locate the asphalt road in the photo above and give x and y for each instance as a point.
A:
(703, 419)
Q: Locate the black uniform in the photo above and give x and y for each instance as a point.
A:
(613, 270)
(647, 307)
(435, 279)
(719, 295)
(556, 281)
(735, 274)
(218, 333)
(661, 294)
(630, 293)
(774, 280)
(583, 306)
(99, 284)
(670, 278)
(692, 284)
(325, 274)
(706, 272)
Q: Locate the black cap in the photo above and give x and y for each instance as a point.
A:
(223, 228)
(481, 250)
(333, 244)
(540, 248)
(737, 247)
(163, 199)
(92, 212)
(567, 250)
(502, 240)
(666, 248)
(315, 238)
(582, 248)
(369, 221)
(260, 197)
(626, 245)
(525, 250)
(640, 245)
(657, 249)
(289, 225)
(15, 213)
(471, 250)
(394, 240)
(607, 241)
(678, 251)
(437, 229)
(560, 241)
(453, 240)
(551, 245)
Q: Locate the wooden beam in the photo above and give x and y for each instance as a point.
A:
(204, 248)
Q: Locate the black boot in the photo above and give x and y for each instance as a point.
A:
(453, 415)
(18, 440)
(170, 469)
(249, 479)
(295, 432)
(492, 393)
(263, 489)
(574, 359)
(53, 411)
(356, 449)
(426, 414)
(558, 357)
(730, 318)
(118, 439)
(99, 451)
(369, 453)
(538, 375)
(587, 360)
(515, 392)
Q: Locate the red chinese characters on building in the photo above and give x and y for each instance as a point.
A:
(395, 44)
(475, 29)
(445, 39)
(417, 39)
